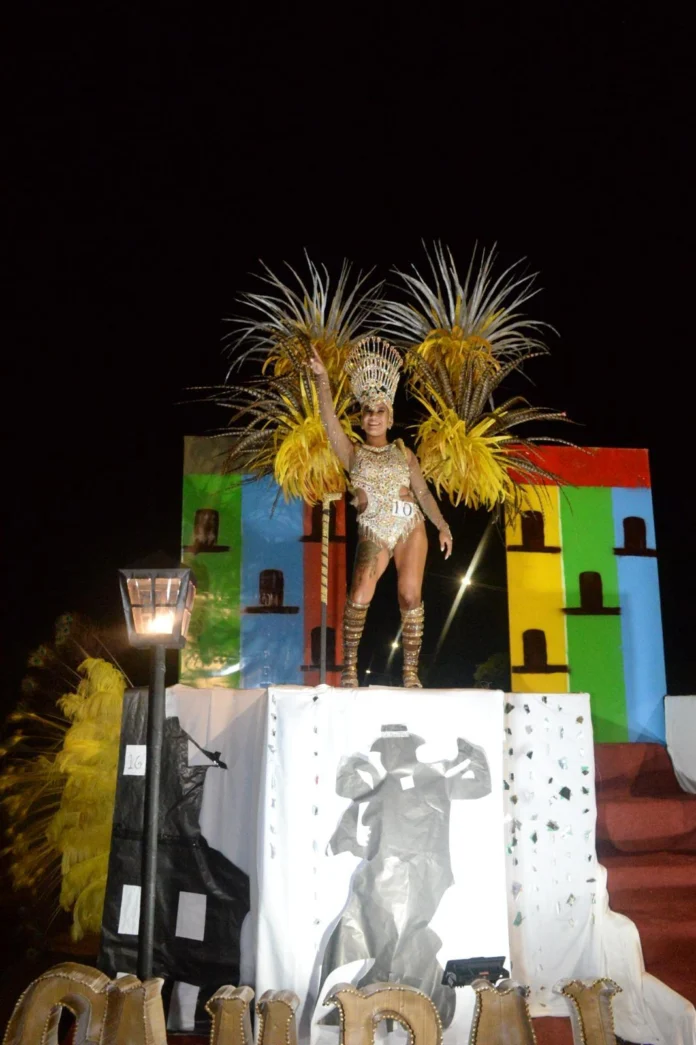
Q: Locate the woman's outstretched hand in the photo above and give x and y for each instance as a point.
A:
(315, 363)
(446, 541)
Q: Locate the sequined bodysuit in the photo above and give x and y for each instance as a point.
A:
(381, 472)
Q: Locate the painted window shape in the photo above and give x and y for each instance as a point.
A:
(591, 597)
(271, 588)
(635, 535)
(635, 538)
(330, 646)
(534, 649)
(533, 530)
(206, 525)
(533, 535)
(535, 655)
(271, 594)
(591, 594)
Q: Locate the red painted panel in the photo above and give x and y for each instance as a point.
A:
(593, 466)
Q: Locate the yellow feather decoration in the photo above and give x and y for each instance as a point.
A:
(463, 337)
(466, 462)
(455, 348)
(60, 801)
(300, 456)
(478, 463)
(277, 430)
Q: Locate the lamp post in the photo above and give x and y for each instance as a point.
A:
(157, 603)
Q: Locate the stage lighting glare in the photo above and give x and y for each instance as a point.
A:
(368, 671)
(465, 582)
(395, 645)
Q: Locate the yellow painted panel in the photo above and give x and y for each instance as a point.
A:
(536, 599)
(556, 683)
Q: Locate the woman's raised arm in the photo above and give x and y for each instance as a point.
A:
(340, 443)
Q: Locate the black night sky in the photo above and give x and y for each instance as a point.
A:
(154, 153)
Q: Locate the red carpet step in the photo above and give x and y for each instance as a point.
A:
(640, 806)
(646, 839)
(647, 825)
(636, 769)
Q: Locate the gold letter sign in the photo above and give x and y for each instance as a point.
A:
(361, 1010)
(127, 1012)
(108, 1012)
(590, 1009)
(229, 1010)
(501, 1016)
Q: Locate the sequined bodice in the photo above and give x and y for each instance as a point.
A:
(382, 472)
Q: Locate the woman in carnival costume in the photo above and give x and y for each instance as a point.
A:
(461, 338)
(391, 497)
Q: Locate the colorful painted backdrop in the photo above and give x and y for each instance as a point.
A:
(583, 592)
(257, 561)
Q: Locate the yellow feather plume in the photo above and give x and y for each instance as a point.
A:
(479, 461)
(455, 349)
(59, 795)
(305, 465)
(286, 437)
(466, 462)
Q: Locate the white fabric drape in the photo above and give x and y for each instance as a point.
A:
(275, 808)
(561, 925)
(680, 724)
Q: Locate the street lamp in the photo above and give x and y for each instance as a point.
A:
(157, 603)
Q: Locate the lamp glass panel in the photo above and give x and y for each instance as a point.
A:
(167, 591)
(153, 601)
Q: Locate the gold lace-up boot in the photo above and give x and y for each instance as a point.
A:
(412, 622)
(354, 615)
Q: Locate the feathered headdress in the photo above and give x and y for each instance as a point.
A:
(472, 451)
(477, 320)
(462, 341)
(275, 422)
(303, 314)
(373, 368)
(276, 430)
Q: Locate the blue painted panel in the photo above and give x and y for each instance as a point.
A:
(641, 622)
(272, 644)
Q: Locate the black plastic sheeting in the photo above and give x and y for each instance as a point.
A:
(185, 862)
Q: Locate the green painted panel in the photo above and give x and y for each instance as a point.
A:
(596, 667)
(211, 656)
(594, 640)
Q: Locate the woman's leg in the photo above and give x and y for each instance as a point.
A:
(371, 561)
(409, 559)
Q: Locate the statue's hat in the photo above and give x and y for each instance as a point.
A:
(395, 731)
